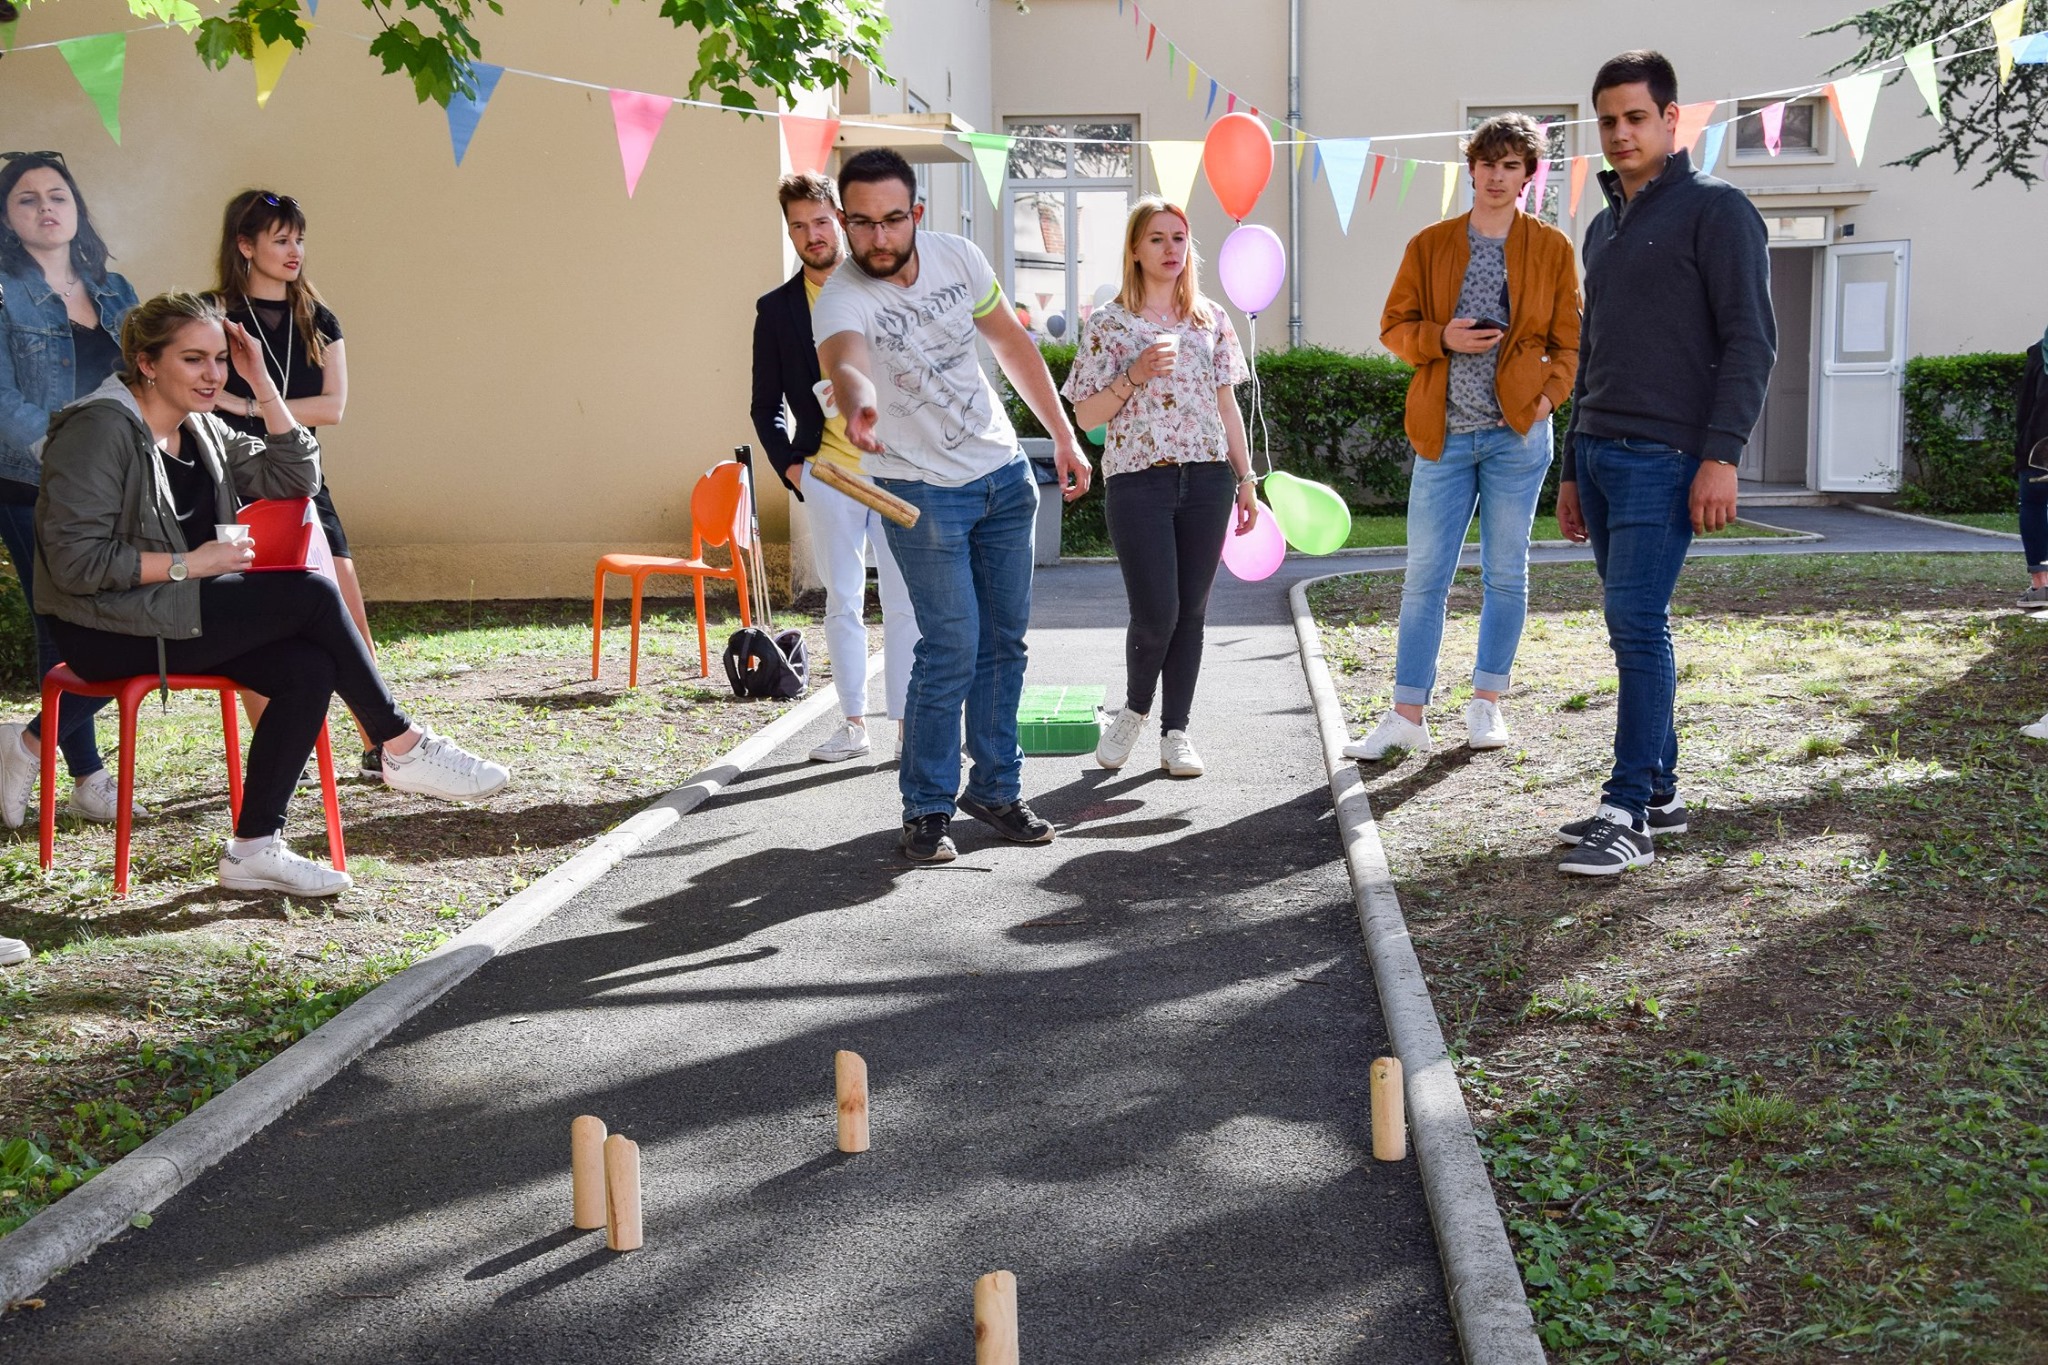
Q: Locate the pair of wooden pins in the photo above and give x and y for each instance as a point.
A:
(604, 1182)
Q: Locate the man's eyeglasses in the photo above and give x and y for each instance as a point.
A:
(893, 222)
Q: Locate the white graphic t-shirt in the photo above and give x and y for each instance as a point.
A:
(938, 416)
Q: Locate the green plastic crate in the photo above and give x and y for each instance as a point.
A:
(1059, 720)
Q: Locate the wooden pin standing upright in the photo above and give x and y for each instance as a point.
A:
(1389, 1112)
(995, 1319)
(622, 1193)
(586, 1171)
(851, 1073)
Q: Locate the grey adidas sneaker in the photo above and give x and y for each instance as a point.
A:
(1616, 842)
(1669, 817)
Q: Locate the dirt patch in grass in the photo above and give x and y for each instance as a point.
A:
(138, 1010)
(1782, 1094)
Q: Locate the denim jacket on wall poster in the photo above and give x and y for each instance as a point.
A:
(38, 362)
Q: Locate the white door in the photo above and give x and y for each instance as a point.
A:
(1862, 365)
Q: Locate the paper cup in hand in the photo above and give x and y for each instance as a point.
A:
(823, 388)
(233, 532)
(1169, 352)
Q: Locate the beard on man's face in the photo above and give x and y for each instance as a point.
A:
(823, 257)
(869, 266)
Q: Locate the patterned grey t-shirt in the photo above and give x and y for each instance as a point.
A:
(1474, 404)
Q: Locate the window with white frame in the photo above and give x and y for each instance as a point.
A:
(1803, 132)
(1557, 120)
(1066, 195)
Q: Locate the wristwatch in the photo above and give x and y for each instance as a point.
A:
(178, 569)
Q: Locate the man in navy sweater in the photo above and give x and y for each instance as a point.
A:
(1675, 354)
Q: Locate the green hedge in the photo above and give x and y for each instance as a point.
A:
(1960, 414)
(17, 640)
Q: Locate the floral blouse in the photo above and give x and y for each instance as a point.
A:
(1171, 418)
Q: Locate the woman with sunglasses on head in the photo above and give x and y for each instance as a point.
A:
(263, 288)
(135, 479)
(60, 321)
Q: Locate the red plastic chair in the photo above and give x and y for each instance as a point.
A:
(128, 694)
(720, 514)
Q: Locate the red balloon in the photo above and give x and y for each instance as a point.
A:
(1237, 158)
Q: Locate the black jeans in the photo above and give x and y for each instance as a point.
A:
(285, 636)
(1167, 524)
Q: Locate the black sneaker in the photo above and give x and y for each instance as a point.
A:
(925, 840)
(1014, 822)
(1667, 817)
(372, 766)
(1614, 844)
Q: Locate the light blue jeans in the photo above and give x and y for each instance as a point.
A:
(1500, 473)
(967, 564)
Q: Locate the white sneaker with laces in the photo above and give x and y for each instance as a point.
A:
(1119, 737)
(1177, 755)
(442, 768)
(274, 867)
(12, 952)
(2038, 730)
(1484, 726)
(848, 741)
(97, 796)
(1395, 731)
(19, 769)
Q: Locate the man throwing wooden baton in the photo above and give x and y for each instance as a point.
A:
(906, 318)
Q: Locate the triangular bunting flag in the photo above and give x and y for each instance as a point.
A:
(1710, 147)
(1137, 16)
(809, 141)
(313, 8)
(464, 113)
(1231, 107)
(1773, 120)
(1539, 184)
(1315, 171)
(2032, 50)
(992, 156)
(1194, 74)
(1580, 166)
(1345, 156)
(1692, 121)
(1171, 55)
(1522, 199)
(268, 62)
(1151, 37)
(99, 62)
(1379, 163)
(7, 35)
(1407, 174)
(1212, 98)
(1174, 165)
(637, 119)
(1300, 149)
(1450, 188)
(1855, 100)
(1920, 61)
(2005, 27)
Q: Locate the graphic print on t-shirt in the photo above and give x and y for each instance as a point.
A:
(930, 359)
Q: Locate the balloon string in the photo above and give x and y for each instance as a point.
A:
(1265, 434)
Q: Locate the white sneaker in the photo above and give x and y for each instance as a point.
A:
(1395, 731)
(275, 867)
(442, 768)
(19, 769)
(848, 741)
(12, 951)
(1177, 755)
(97, 796)
(2038, 730)
(1484, 727)
(1119, 737)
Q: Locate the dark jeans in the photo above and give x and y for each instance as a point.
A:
(285, 636)
(2034, 518)
(1636, 497)
(1167, 524)
(74, 716)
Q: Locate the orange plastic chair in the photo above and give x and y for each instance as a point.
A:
(128, 694)
(720, 514)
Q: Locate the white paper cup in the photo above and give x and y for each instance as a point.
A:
(231, 531)
(823, 388)
(1171, 352)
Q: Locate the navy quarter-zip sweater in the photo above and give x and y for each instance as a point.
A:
(1679, 338)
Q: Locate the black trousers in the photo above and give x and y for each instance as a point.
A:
(1167, 524)
(285, 636)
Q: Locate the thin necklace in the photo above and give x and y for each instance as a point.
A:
(65, 291)
(285, 383)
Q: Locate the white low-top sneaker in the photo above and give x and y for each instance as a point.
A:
(442, 768)
(2038, 730)
(1485, 728)
(1177, 755)
(97, 796)
(19, 768)
(1395, 731)
(848, 741)
(1119, 737)
(275, 867)
(13, 952)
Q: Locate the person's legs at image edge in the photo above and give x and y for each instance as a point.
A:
(75, 737)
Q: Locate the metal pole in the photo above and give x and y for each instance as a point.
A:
(1294, 175)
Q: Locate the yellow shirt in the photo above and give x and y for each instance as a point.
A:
(833, 446)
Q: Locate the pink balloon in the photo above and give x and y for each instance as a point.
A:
(1258, 552)
(1252, 264)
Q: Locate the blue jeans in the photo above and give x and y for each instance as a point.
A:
(1636, 497)
(967, 564)
(74, 714)
(2034, 518)
(1501, 474)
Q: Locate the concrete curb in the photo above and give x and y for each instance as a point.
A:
(74, 1227)
(2012, 537)
(1487, 1301)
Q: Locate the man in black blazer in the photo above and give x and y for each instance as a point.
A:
(794, 430)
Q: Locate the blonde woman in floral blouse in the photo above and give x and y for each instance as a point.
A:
(1158, 365)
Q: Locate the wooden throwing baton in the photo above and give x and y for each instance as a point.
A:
(861, 490)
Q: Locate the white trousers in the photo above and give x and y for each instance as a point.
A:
(842, 531)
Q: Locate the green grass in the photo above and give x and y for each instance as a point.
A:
(1983, 521)
(1377, 530)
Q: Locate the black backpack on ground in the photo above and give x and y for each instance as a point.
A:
(760, 664)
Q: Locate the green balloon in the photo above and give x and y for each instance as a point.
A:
(1312, 516)
(1099, 435)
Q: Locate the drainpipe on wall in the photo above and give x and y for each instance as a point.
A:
(1294, 175)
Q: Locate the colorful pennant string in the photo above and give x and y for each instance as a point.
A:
(268, 63)
(1773, 120)
(809, 142)
(637, 118)
(466, 111)
(99, 62)
(1345, 157)
(992, 159)
(1854, 99)
(1920, 61)
(1175, 165)
(2005, 29)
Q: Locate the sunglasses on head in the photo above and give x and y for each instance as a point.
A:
(283, 202)
(57, 157)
